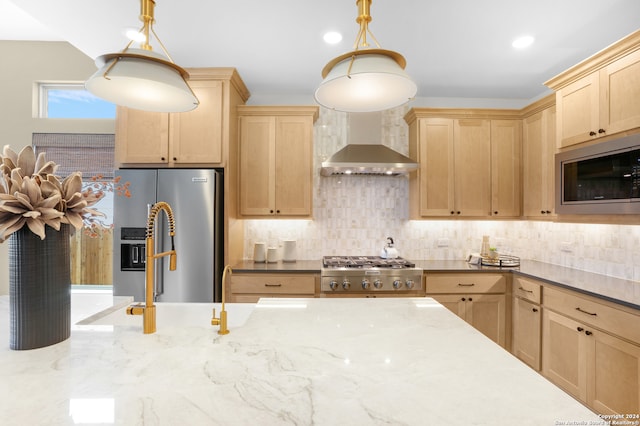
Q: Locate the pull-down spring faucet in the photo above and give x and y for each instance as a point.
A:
(148, 309)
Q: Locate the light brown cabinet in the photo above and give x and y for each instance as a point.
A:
(589, 350)
(479, 299)
(527, 321)
(469, 167)
(598, 97)
(276, 161)
(539, 148)
(191, 138)
(249, 288)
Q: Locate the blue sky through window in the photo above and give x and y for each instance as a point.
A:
(77, 103)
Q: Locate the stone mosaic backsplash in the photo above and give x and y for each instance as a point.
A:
(353, 215)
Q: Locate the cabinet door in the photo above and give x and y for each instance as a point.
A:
(578, 111)
(472, 160)
(613, 385)
(196, 136)
(487, 313)
(257, 175)
(141, 136)
(506, 144)
(453, 302)
(538, 164)
(527, 325)
(619, 94)
(436, 174)
(564, 353)
(293, 165)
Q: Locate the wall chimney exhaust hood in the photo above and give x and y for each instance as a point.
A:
(365, 154)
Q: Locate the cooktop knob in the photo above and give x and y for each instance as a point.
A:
(346, 284)
(377, 284)
(397, 284)
(366, 284)
(333, 284)
(409, 284)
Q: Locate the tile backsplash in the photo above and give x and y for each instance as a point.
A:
(353, 215)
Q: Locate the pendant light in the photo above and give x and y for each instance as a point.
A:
(140, 78)
(366, 79)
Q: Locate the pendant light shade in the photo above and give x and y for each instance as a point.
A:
(366, 79)
(143, 79)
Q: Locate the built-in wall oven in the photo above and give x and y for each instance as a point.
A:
(600, 179)
(370, 276)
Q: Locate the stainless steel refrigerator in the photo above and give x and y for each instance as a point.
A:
(195, 197)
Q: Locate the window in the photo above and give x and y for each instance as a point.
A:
(71, 100)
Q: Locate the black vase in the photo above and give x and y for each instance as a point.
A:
(39, 288)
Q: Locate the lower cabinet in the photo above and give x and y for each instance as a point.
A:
(590, 361)
(479, 299)
(248, 288)
(526, 321)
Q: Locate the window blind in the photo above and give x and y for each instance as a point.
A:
(91, 154)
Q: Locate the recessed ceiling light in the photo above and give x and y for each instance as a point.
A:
(332, 37)
(522, 42)
(134, 34)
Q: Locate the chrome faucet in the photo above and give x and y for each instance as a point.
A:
(148, 309)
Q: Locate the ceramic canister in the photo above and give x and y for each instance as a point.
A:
(259, 252)
(272, 254)
(289, 251)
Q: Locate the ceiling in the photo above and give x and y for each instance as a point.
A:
(454, 48)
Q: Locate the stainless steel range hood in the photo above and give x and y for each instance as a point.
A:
(365, 154)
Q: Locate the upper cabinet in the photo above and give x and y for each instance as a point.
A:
(598, 97)
(276, 161)
(469, 165)
(538, 153)
(195, 138)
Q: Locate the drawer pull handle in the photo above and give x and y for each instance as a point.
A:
(466, 285)
(586, 312)
(523, 289)
(273, 285)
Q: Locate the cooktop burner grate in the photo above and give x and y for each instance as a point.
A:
(365, 262)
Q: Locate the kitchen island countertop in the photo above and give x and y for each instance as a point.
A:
(398, 361)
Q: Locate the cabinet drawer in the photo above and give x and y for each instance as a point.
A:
(273, 284)
(466, 283)
(526, 288)
(589, 311)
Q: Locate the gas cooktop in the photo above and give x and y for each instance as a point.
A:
(365, 262)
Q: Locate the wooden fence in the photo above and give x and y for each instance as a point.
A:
(92, 258)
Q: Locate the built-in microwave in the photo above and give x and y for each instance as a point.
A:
(600, 179)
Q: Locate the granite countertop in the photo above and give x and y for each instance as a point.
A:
(625, 292)
(294, 361)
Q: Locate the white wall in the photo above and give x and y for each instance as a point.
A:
(353, 215)
(23, 64)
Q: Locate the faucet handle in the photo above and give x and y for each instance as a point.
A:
(214, 320)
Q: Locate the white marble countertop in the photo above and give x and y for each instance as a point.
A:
(400, 361)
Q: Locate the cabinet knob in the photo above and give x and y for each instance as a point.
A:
(496, 212)
(271, 211)
(588, 333)
(452, 212)
(175, 159)
(580, 329)
(162, 158)
(277, 211)
(548, 212)
(458, 212)
(592, 133)
(542, 211)
(471, 299)
(463, 299)
(601, 131)
(535, 309)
